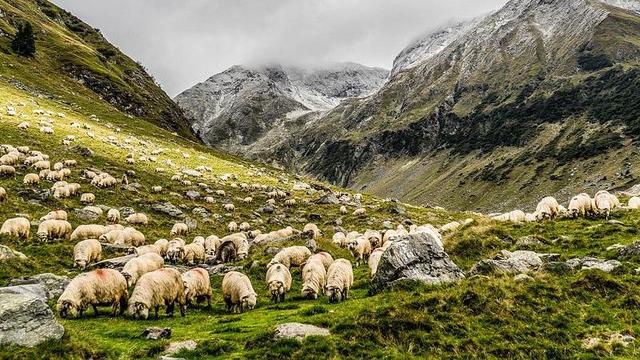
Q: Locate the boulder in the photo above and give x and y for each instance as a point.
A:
(202, 212)
(328, 199)
(87, 214)
(629, 250)
(506, 262)
(26, 320)
(126, 211)
(8, 253)
(113, 263)
(168, 208)
(52, 285)
(589, 263)
(192, 195)
(418, 257)
(177, 346)
(155, 333)
(298, 331)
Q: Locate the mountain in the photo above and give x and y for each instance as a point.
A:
(540, 97)
(245, 108)
(74, 61)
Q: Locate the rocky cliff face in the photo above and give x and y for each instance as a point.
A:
(246, 108)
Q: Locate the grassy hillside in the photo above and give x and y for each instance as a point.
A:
(488, 317)
(74, 62)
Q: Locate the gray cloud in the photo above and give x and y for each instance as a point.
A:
(184, 42)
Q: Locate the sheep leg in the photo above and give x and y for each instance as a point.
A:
(170, 309)
(282, 297)
(208, 301)
(182, 310)
(123, 304)
(114, 308)
(157, 309)
(345, 293)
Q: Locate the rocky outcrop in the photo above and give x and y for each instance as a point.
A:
(168, 208)
(417, 257)
(26, 320)
(8, 253)
(298, 331)
(48, 286)
(507, 262)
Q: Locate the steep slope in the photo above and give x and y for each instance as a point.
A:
(541, 95)
(245, 108)
(74, 61)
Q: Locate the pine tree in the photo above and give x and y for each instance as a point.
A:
(25, 42)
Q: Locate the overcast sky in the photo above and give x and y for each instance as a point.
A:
(182, 42)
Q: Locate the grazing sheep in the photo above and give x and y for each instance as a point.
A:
(547, 208)
(245, 226)
(211, 244)
(85, 252)
(31, 179)
(374, 260)
(137, 219)
(360, 249)
(7, 170)
(343, 209)
(156, 189)
(229, 207)
(323, 257)
(339, 239)
(240, 243)
(237, 292)
(226, 253)
(84, 232)
(99, 287)
(278, 281)
(55, 215)
(634, 202)
(162, 245)
(55, 229)
(311, 230)
(87, 198)
(103, 180)
(162, 287)
(339, 280)
(233, 226)
(179, 229)
(291, 256)
(141, 265)
(314, 275)
(580, 205)
(42, 165)
(175, 250)
(145, 249)
(16, 228)
(193, 254)
(113, 216)
(209, 200)
(197, 286)
(374, 237)
(359, 212)
(248, 200)
(130, 236)
(605, 202)
(3, 194)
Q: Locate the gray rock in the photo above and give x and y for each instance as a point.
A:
(202, 212)
(192, 195)
(298, 331)
(311, 245)
(417, 257)
(328, 199)
(8, 253)
(177, 346)
(155, 333)
(168, 208)
(589, 263)
(529, 240)
(26, 320)
(396, 209)
(271, 250)
(522, 278)
(387, 224)
(126, 211)
(630, 250)
(82, 151)
(86, 214)
(113, 263)
(130, 188)
(164, 357)
(517, 262)
(52, 285)
(191, 223)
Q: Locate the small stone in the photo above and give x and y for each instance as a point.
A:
(298, 331)
(177, 346)
(311, 245)
(522, 278)
(8, 253)
(192, 195)
(155, 333)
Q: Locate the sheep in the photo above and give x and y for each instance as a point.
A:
(278, 281)
(55, 229)
(311, 231)
(220, 193)
(84, 232)
(374, 237)
(85, 252)
(291, 256)
(374, 260)
(42, 165)
(87, 198)
(137, 219)
(197, 286)
(359, 212)
(225, 253)
(99, 287)
(156, 189)
(157, 288)
(144, 249)
(343, 209)
(55, 215)
(237, 292)
(517, 216)
(7, 170)
(240, 243)
(175, 250)
(314, 275)
(604, 202)
(339, 281)
(529, 217)
(580, 205)
(547, 208)
(634, 201)
(209, 200)
(211, 244)
(3, 194)
(31, 179)
(130, 236)
(245, 226)
(16, 228)
(323, 257)
(193, 254)
(162, 245)
(339, 239)
(247, 200)
(141, 265)
(360, 249)
(70, 163)
(179, 229)
(229, 207)
(103, 180)
(113, 216)
(233, 226)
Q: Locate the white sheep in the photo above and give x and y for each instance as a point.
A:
(162, 245)
(339, 239)
(87, 198)
(374, 260)
(145, 249)
(229, 207)
(343, 209)
(278, 281)
(175, 250)
(141, 265)
(193, 254)
(7, 170)
(211, 244)
(84, 232)
(137, 219)
(55, 215)
(339, 280)
(238, 292)
(547, 208)
(31, 179)
(197, 286)
(179, 229)
(314, 275)
(99, 287)
(16, 228)
(162, 287)
(605, 202)
(580, 205)
(86, 252)
(311, 230)
(291, 256)
(3, 194)
(130, 236)
(232, 226)
(359, 212)
(54, 229)
(634, 202)
(113, 216)
(360, 248)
